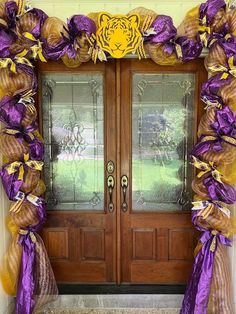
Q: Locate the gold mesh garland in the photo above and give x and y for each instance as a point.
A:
(15, 83)
(11, 147)
(189, 25)
(52, 30)
(12, 84)
(216, 57)
(158, 55)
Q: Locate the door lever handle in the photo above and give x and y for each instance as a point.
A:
(124, 186)
(110, 185)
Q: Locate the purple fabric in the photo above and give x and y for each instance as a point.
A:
(77, 24)
(211, 87)
(209, 9)
(80, 23)
(7, 38)
(202, 147)
(54, 52)
(225, 123)
(191, 49)
(229, 46)
(12, 112)
(11, 12)
(164, 28)
(25, 293)
(10, 182)
(26, 284)
(218, 191)
(24, 301)
(42, 16)
(198, 289)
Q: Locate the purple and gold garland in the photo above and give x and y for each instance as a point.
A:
(29, 34)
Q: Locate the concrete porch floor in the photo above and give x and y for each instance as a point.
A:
(117, 304)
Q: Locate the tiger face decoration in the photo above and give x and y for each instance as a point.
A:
(118, 34)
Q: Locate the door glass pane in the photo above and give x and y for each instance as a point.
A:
(162, 137)
(73, 134)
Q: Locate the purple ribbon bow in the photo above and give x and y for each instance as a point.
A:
(11, 12)
(209, 9)
(225, 123)
(219, 191)
(7, 37)
(210, 89)
(165, 30)
(12, 112)
(191, 49)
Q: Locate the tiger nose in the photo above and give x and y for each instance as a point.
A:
(118, 45)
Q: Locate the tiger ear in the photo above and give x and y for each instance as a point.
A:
(103, 19)
(134, 20)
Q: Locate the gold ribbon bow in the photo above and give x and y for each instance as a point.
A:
(206, 208)
(212, 104)
(4, 62)
(20, 197)
(13, 132)
(205, 31)
(227, 139)
(19, 166)
(205, 167)
(31, 234)
(37, 48)
(226, 71)
(95, 52)
(28, 100)
(226, 37)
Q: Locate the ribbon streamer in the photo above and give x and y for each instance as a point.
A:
(199, 286)
(25, 293)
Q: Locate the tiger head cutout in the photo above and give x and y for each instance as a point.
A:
(118, 34)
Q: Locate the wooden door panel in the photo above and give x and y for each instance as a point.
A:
(156, 246)
(82, 243)
(160, 273)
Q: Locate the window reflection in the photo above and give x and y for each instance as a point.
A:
(162, 137)
(73, 133)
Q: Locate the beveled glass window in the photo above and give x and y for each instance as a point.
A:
(162, 137)
(73, 133)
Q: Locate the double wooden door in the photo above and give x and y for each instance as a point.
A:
(117, 138)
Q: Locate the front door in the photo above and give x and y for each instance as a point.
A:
(117, 138)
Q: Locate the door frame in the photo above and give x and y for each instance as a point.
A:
(195, 66)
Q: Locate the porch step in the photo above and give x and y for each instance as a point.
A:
(117, 304)
(111, 311)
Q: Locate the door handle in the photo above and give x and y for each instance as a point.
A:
(124, 186)
(110, 186)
